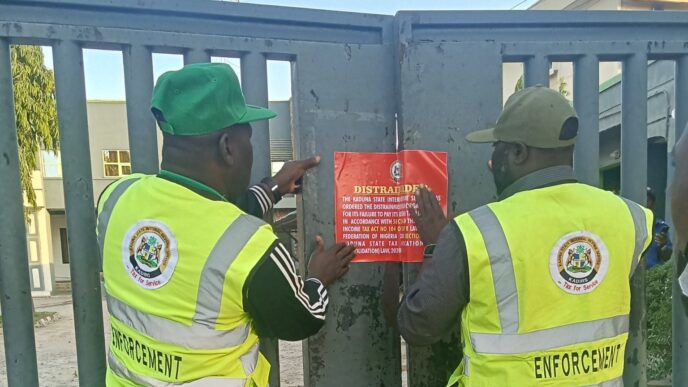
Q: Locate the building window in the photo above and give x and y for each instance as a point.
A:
(275, 166)
(64, 245)
(33, 251)
(52, 164)
(116, 163)
(31, 224)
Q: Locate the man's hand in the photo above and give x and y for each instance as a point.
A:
(661, 238)
(662, 241)
(428, 216)
(328, 265)
(288, 179)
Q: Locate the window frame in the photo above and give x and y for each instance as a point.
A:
(64, 245)
(118, 163)
(58, 163)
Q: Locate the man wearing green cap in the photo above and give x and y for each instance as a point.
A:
(539, 281)
(193, 277)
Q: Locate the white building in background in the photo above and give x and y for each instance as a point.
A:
(611, 5)
(563, 72)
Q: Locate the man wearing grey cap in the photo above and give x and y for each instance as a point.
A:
(538, 281)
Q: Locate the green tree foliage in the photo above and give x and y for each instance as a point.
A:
(34, 99)
(519, 85)
(562, 86)
(659, 321)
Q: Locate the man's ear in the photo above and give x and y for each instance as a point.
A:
(226, 149)
(519, 153)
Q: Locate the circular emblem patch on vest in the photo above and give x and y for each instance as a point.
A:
(149, 254)
(578, 262)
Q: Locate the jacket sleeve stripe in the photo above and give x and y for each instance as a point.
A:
(285, 264)
(296, 281)
(262, 197)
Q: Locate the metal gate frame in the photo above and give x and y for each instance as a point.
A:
(460, 54)
(356, 79)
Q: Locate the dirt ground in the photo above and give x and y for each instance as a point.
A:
(56, 349)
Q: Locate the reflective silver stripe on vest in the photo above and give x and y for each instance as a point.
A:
(618, 382)
(640, 223)
(197, 336)
(201, 334)
(250, 359)
(543, 340)
(108, 206)
(501, 265)
(226, 250)
(120, 370)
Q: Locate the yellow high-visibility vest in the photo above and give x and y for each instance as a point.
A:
(549, 287)
(174, 265)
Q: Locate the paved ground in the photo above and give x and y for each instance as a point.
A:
(56, 349)
(55, 345)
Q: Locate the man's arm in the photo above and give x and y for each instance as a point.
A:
(256, 201)
(433, 304)
(280, 302)
(259, 199)
(666, 250)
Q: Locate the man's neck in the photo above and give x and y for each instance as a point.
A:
(540, 178)
(195, 174)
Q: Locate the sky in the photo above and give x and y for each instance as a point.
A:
(104, 73)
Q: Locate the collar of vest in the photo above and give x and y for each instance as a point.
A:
(192, 184)
(539, 179)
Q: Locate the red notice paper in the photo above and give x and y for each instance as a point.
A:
(372, 192)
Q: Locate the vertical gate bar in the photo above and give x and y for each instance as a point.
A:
(680, 303)
(633, 186)
(81, 222)
(681, 95)
(586, 99)
(17, 327)
(254, 83)
(300, 213)
(138, 81)
(196, 55)
(536, 71)
(478, 87)
(355, 347)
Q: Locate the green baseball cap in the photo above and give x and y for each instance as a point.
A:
(202, 98)
(537, 116)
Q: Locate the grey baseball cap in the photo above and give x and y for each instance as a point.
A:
(536, 116)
